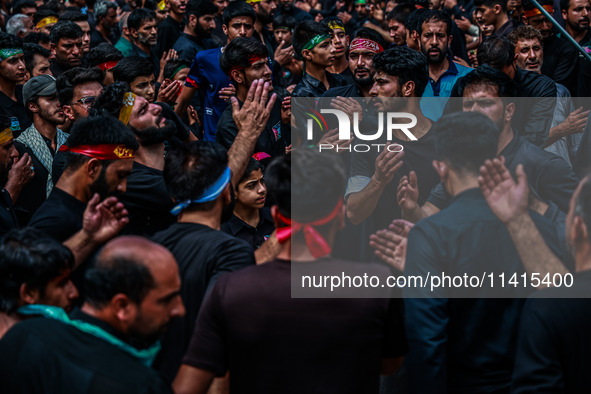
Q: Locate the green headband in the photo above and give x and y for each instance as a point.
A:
(360, 2)
(179, 68)
(5, 53)
(315, 41)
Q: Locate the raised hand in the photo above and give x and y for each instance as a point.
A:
(331, 137)
(284, 53)
(103, 220)
(256, 109)
(387, 163)
(227, 92)
(348, 105)
(169, 91)
(505, 197)
(408, 192)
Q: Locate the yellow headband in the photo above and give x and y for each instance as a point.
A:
(162, 5)
(253, 1)
(125, 112)
(5, 135)
(335, 25)
(46, 21)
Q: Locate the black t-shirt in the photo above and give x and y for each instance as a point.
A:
(15, 111)
(273, 343)
(41, 355)
(254, 236)
(560, 62)
(203, 255)
(60, 216)
(168, 32)
(8, 219)
(147, 201)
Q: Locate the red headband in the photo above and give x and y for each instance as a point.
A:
(101, 152)
(364, 43)
(535, 11)
(317, 245)
(251, 61)
(108, 65)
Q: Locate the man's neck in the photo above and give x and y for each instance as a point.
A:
(258, 27)
(505, 138)
(364, 90)
(317, 72)
(143, 47)
(8, 88)
(210, 218)
(248, 215)
(188, 30)
(74, 184)
(151, 156)
(46, 129)
(6, 322)
(423, 123)
(582, 258)
(578, 35)
(178, 18)
(105, 315)
(339, 65)
(456, 184)
(437, 70)
(501, 20)
(103, 32)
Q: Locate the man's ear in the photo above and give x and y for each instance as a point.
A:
(237, 76)
(134, 33)
(53, 49)
(193, 20)
(69, 112)
(93, 168)
(441, 169)
(275, 215)
(33, 107)
(449, 39)
(408, 88)
(509, 111)
(307, 55)
(225, 29)
(497, 9)
(29, 295)
(580, 231)
(123, 308)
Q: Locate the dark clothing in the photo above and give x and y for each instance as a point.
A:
(560, 62)
(507, 28)
(217, 35)
(187, 46)
(343, 91)
(147, 201)
(549, 176)
(464, 345)
(97, 38)
(296, 13)
(58, 69)
(42, 355)
(268, 39)
(582, 162)
(151, 57)
(312, 87)
(8, 219)
(15, 111)
(254, 236)
(348, 75)
(273, 140)
(168, 32)
(289, 345)
(60, 216)
(554, 344)
(203, 255)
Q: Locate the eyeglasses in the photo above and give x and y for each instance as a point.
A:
(86, 101)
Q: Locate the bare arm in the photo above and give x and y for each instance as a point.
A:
(191, 380)
(574, 123)
(182, 102)
(269, 250)
(408, 197)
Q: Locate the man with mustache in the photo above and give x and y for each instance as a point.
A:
(577, 14)
(196, 35)
(265, 10)
(143, 30)
(66, 46)
(171, 28)
(435, 34)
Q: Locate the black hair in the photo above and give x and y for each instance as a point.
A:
(53, 5)
(497, 52)
(435, 16)
(191, 168)
(66, 82)
(304, 32)
(200, 8)
(238, 8)
(111, 100)
(131, 67)
(97, 130)
(117, 275)
(17, 6)
(333, 19)
(30, 50)
(406, 64)
(465, 140)
(529, 5)
(400, 13)
(27, 256)
(10, 41)
(284, 21)
(138, 17)
(103, 52)
(525, 32)
(412, 21)
(65, 29)
(491, 4)
(172, 66)
(486, 75)
(238, 52)
(564, 5)
(37, 38)
(370, 34)
(253, 165)
(74, 16)
(102, 7)
(43, 13)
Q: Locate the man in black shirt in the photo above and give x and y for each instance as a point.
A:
(107, 345)
(197, 32)
(12, 75)
(338, 344)
(66, 45)
(171, 28)
(288, 8)
(143, 31)
(105, 14)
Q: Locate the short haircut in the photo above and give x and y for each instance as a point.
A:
(583, 203)
(252, 165)
(16, 24)
(131, 67)
(43, 13)
(283, 21)
(491, 3)
(238, 52)
(465, 140)
(406, 64)
(18, 6)
(103, 52)
(191, 168)
(435, 16)
(304, 32)
(102, 7)
(486, 75)
(564, 5)
(497, 52)
(30, 50)
(173, 66)
(413, 20)
(74, 16)
(139, 17)
(112, 275)
(97, 130)
(333, 19)
(9, 41)
(27, 256)
(65, 29)
(370, 34)
(400, 13)
(66, 82)
(109, 103)
(200, 8)
(238, 8)
(37, 38)
(525, 33)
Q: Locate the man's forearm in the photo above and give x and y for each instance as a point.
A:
(81, 245)
(183, 101)
(242, 148)
(360, 205)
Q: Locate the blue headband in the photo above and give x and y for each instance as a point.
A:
(209, 194)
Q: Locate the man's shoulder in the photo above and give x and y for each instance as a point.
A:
(543, 85)
(198, 234)
(344, 91)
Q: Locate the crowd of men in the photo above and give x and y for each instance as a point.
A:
(158, 186)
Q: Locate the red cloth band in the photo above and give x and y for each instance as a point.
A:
(108, 65)
(251, 61)
(535, 11)
(101, 152)
(364, 43)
